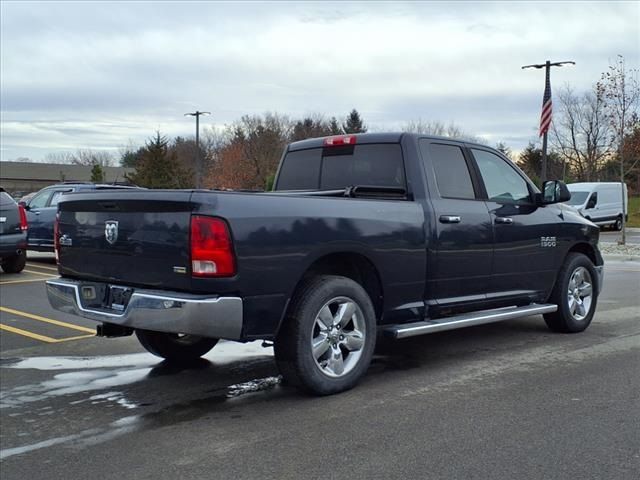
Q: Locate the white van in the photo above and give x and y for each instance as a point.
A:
(600, 202)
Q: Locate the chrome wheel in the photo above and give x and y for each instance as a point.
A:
(338, 337)
(580, 293)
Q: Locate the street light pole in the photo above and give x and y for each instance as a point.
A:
(546, 103)
(198, 156)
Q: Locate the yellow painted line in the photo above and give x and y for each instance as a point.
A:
(35, 265)
(42, 338)
(46, 320)
(25, 333)
(68, 339)
(7, 282)
(40, 273)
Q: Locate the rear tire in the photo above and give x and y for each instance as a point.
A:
(575, 293)
(328, 337)
(618, 224)
(14, 264)
(173, 347)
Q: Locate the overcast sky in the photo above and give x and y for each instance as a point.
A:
(102, 75)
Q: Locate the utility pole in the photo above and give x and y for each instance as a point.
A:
(198, 156)
(545, 116)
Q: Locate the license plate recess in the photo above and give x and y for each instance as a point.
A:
(119, 297)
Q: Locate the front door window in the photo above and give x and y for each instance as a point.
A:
(502, 182)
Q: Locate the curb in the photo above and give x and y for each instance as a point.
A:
(621, 257)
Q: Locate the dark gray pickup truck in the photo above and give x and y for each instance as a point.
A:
(364, 235)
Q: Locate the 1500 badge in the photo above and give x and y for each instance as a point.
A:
(547, 241)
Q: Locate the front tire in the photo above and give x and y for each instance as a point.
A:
(14, 264)
(173, 347)
(575, 293)
(328, 337)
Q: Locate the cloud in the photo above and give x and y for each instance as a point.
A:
(145, 64)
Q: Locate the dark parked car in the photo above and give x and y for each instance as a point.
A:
(398, 234)
(13, 234)
(42, 207)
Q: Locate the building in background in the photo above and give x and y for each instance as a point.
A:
(20, 178)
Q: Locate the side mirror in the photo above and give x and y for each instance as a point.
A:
(24, 205)
(554, 191)
(591, 203)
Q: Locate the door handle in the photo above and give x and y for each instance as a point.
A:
(449, 219)
(37, 212)
(504, 220)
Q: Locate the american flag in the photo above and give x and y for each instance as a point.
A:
(545, 116)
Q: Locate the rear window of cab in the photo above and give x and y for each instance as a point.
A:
(337, 167)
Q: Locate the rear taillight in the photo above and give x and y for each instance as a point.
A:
(339, 140)
(211, 248)
(23, 218)
(56, 236)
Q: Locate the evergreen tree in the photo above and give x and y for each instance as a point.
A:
(334, 127)
(97, 173)
(157, 166)
(530, 161)
(504, 149)
(310, 127)
(131, 157)
(354, 123)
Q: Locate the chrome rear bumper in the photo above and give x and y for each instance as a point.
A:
(172, 312)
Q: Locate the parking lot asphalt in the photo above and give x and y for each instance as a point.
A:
(503, 401)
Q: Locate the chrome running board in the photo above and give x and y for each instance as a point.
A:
(466, 320)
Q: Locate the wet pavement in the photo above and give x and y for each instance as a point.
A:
(509, 400)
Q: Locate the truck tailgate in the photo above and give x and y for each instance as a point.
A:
(127, 237)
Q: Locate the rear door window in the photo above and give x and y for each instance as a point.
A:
(330, 168)
(450, 168)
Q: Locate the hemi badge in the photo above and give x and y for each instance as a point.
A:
(179, 269)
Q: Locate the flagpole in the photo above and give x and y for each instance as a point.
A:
(547, 66)
(543, 175)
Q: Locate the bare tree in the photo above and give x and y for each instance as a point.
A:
(212, 142)
(253, 145)
(437, 128)
(581, 133)
(619, 87)
(58, 157)
(81, 157)
(92, 157)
